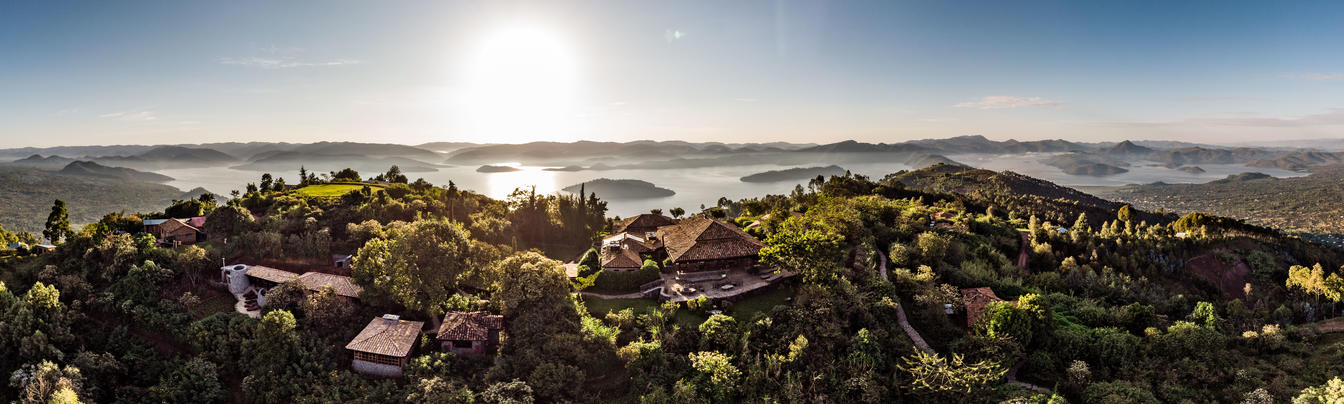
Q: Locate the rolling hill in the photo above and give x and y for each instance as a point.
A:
(26, 195)
(92, 169)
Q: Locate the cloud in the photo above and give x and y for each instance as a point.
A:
(131, 116)
(1319, 76)
(1332, 117)
(283, 62)
(1003, 102)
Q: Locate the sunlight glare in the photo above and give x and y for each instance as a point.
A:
(520, 84)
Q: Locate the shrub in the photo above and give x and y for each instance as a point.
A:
(614, 282)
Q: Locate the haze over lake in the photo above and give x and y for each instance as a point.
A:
(696, 186)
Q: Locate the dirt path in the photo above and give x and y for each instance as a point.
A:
(602, 296)
(1012, 379)
(1022, 256)
(924, 346)
(900, 313)
(1333, 325)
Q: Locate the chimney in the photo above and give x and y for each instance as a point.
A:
(391, 319)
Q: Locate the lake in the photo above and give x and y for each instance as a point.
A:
(697, 186)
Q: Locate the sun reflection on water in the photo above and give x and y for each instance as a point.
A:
(500, 185)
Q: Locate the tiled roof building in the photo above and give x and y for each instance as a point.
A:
(382, 347)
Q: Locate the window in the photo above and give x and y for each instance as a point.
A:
(462, 344)
(379, 359)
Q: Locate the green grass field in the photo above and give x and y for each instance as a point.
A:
(329, 190)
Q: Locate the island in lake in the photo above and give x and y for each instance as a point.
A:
(607, 188)
(794, 174)
(1074, 164)
(497, 169)
(1193, 169)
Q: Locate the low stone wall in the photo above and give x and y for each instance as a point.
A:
(375, 369)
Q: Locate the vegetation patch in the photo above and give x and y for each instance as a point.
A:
(338, 189)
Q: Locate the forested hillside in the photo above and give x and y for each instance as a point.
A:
(1311, 204)
(1109, 303)
(26, 196)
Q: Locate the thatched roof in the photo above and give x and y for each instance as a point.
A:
(343, 285)
(469, 326)
(703, 238)
(977, 301)
(641, 224)
(387, 337)
(270, 274)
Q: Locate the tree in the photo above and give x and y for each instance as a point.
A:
(716, 377)
(266, 182)
(942, 379)
(677, 212)
(591, 259)
(45, 382)
(527, 279)
(1205, 314)
(58, 223)
(513, 392)
(419, 265)
(1332, 392)
(1125, 214)
(797, 246)
(394, 175)
(347, 174)
(656, 211)
(228, 221)
(196, 381)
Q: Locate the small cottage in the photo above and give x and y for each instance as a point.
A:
(382, 347)
(172, 232)
(470, 333)
(43, 248)
(344, 286)
(977, 302)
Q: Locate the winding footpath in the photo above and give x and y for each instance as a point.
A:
(924, 346)
(900, 313)
(1022, 256)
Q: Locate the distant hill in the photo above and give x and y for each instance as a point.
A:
(1243, 177)
(26, 195)
(1201, 155)
(363, 149)
(850, 146)
(1067, 202)
(187, 154)
(1127, 149)
(92, 169)
(445, 147)
(1078, 164)
(557, 153)
(794, 174)
(288, 161)
(496, 169)
(44, 163)
(1301, 160)
(621, 189)
(959, 179)
(1313, 204)
(980, 144)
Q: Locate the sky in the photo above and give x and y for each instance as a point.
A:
(156, 72)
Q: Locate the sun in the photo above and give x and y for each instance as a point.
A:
(520, 83)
